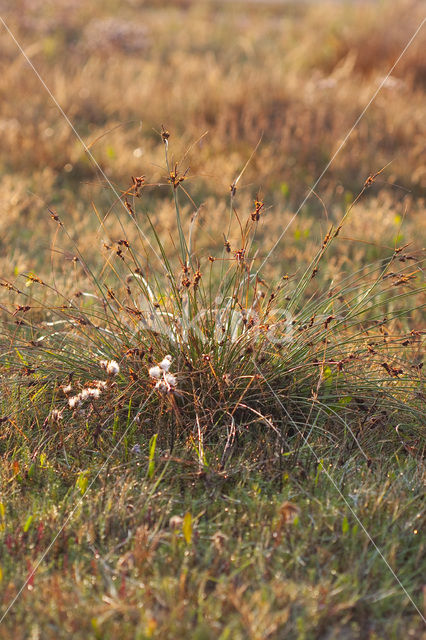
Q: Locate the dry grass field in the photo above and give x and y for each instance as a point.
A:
(240, 185)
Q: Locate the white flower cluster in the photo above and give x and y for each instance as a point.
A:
(166, 381)
(90, 393)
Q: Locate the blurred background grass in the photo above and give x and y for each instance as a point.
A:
(295, 75)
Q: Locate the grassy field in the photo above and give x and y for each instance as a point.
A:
(211, 366)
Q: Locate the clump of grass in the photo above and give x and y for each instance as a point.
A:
(256, 364)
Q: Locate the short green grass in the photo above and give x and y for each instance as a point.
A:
(180, 551)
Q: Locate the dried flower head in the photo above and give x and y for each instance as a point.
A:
(170, 379)
(100, 384)
(175, 522)
(55, 415)
(111, 367)
(155, 372)
(165, 363)
(162, 387)
(74, 402)
(90, 393)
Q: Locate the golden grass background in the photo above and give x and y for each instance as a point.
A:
(295, 76)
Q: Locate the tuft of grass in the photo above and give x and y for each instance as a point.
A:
(337, 360)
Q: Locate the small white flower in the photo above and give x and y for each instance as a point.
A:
(155, 372)
(100, 384)
(162, 387)
(104, 364)
(67, 389)
(56, 415)
(74, 402)
(112, 368)
(165, 363)
(86, 394)
(170, 379)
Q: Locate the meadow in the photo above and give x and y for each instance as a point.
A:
(212, 319)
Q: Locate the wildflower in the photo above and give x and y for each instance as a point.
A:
(86, 394)
(100, 384)
(167, 384)
(162, 387)
(165, 363)
(74, 402)
(93, 392)
(155, 372)
(170, 379)
(67, 389)
(166, 381)
(111, 366)
(136, 449)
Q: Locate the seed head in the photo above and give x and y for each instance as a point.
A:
(155, 372)
(56, 415)
(170, 379)
(74, 402)
(162, 387)
(111, 366)
(86, 394)
(100, 384)
(165, 363)
(165, 135)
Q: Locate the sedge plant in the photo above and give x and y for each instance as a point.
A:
(218, 356)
